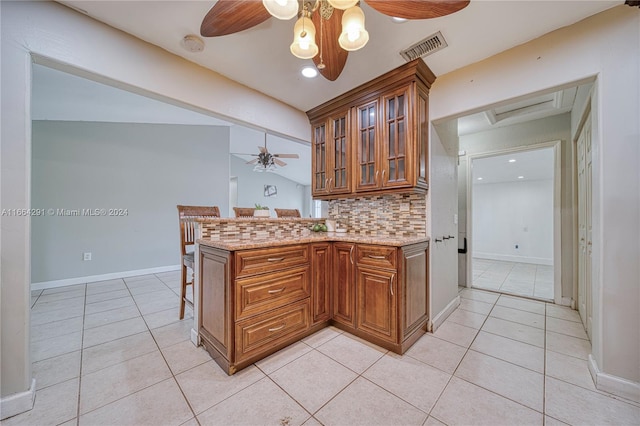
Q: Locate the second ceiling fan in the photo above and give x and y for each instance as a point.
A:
(340, 23)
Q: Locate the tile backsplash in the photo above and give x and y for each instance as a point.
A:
(402, 215)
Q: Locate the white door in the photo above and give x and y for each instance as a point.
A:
(584, 163)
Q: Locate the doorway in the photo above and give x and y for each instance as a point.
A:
(514, 221)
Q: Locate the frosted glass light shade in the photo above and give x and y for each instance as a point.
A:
(343, 4)
(281, 9)
(354, 36)
(304, 39)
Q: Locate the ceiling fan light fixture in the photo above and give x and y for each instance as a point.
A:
(343, 4)
(354, 36)
(281, 9)
(304, 39)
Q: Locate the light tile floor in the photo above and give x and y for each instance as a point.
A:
(114, 353)
(521, 279)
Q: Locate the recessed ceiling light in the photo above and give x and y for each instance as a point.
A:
(399, 20)
(309, 72)
(479, 178)
(512, 160)
(520, 177)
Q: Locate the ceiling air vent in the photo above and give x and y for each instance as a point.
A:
(429, 45)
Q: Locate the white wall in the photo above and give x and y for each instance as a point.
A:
(146, 169)
(441, 207)
(62, 38)
(507, 214)
(291, 195)
(606, 45)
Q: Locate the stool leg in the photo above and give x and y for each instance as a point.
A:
(183, 292)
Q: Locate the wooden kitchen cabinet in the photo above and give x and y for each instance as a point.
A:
(321, 282)
(344, 288)
(253, 302)
(331, 155)
(388, 121)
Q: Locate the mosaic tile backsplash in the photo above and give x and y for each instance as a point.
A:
(401, 215)
(252, 229)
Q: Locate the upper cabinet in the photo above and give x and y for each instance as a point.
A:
(374, 138)
(331, 155)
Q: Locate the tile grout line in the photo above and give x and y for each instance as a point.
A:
(173, 376)
(81, 357)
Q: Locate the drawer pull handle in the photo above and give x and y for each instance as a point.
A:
(276, 291)
(377, 257)
(350, 252)
(271, 330)
(275, 259)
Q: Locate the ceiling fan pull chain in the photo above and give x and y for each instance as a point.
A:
(321, 65)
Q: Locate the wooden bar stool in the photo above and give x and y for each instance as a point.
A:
(287, 212)
(186, 218)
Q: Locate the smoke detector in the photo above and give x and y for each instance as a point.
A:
(426, 47)
(192, 43)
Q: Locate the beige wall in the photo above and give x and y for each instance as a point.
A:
(606, 46)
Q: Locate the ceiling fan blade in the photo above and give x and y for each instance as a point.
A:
(418, 9)
(254, 161)
(333, 56)
(279, 162)
(232, 16)
(263, 149)
(286, 155)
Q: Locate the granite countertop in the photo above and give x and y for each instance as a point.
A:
(314, 237)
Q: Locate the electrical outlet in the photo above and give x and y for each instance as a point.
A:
(86, 256)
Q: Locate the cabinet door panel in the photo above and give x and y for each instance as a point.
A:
(344, 302)
(414, 265)
(215, 309)
(367, 173)
(396, 168)
(319, 160)
(422, 137)
(377, 310)
(321, 282)
(340, 148)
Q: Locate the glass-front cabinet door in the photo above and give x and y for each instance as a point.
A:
(396, 154)
(339, 149)
(320, 180)
(367, 167)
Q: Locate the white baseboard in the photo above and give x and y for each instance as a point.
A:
(613, 384)
(444, 314)
(567, 301)
(17, 403)
(104, 277)
(195, 338)
(512, 258)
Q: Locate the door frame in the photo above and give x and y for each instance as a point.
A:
(557, 209)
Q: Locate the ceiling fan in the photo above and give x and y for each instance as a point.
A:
(341, 23)
(266, 161)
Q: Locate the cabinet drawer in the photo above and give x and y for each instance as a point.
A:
(269, 291)
(378, 256)
(250, 262)
(270, 329)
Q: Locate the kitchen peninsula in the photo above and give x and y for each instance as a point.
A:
(263, 284)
